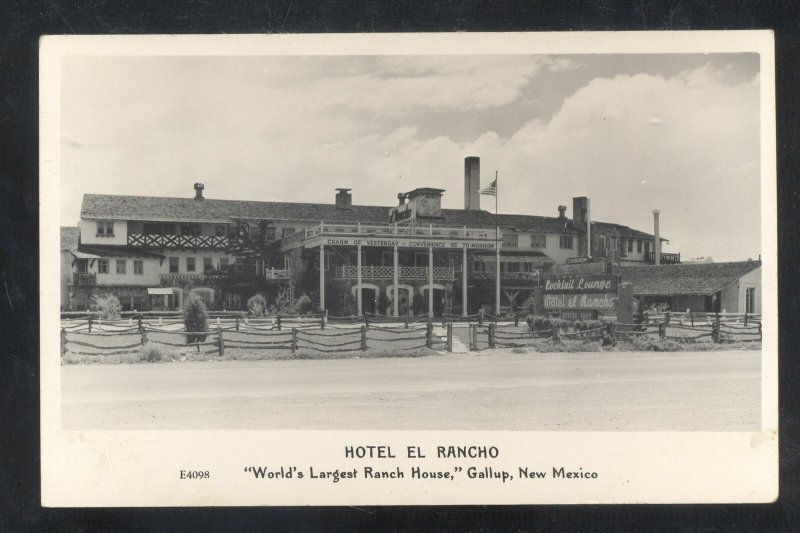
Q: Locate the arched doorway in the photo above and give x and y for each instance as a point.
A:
(439, 298)
(369, 297)
(405, 297)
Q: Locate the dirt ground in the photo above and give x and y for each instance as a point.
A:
(498, 390)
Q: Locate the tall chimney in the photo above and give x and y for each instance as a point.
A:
(562, 209)
(198, 191)
(657, 238)
(343, 199)
(581, 220)
(472, 183)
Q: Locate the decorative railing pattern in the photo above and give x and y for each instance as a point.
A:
(84, 278)
(155, 240)
(387, 272)
(225, 275)
(666, 259)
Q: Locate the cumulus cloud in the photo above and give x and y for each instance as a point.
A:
(293, 129)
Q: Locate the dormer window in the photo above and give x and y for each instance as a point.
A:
(105, 228)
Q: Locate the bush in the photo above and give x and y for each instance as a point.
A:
(655, 345)
(303, 305)
(106, 305)
(195, 317)
(152, 353)
(257, 306)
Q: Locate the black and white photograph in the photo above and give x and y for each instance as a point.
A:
(533, 243)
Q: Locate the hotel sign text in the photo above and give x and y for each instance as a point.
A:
(409, 243)
(600, 302)
(580, 283)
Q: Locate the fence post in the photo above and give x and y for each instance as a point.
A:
(139, 322)
(450, 337)
(279, 322)
(366, 321)
(220, 341)
(666, 317)
(554, 332)
(237, 322)
(473, 337)
(759, 330)
(405, 320)
(480, 317)
(715, 330)
(364, 338)
(63, 342)
(90, 323)
(429, 334)
(322, 321)
(444, 320)
(745, 318)
(144, 337)
(492, 327)
(516, 320)
(662, 330)
(294, 340)
(691, 316)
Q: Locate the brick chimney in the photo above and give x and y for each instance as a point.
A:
(344, 199)
(198, 191)
(562, 210)
(581, 221)
(472, 183)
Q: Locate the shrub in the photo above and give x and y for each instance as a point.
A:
(152, 353)
(195, 317)
(303, 305)
(106, 305)
(655, 345)
(257, 306)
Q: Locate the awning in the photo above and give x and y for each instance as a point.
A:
(83, 255)
(159, 291)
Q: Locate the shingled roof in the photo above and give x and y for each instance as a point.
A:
(697, 278)
(623, 231)
(119, 207)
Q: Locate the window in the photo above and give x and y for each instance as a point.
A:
(512, 267)
(288, 231)
(630, 245)
(207, 264)
(190, 264)
(646, 247)
(601, 241)
(538, 241)
(479, 266)
(138, 268)
(173, 265)
(122, 265)
(510, 240)
(528, 267)
(224, 264)
(220, 231)
(638, 246)
(565, 242)
(421, 259)
(82, 265)
(233, 300)
(454, 261)
(269, 234)
(750, 300)
(102, 266)
(105, 228)
(190, 229)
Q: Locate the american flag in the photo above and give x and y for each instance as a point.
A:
(491, 190)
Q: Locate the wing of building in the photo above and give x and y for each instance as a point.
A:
(151, 250)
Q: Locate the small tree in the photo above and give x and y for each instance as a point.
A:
(257, 305)
(303, 304)
(195, 317)
(106, 305)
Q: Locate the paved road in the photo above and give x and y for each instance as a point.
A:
(500, 391)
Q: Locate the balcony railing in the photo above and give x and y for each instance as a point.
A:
(507, 276)
(387, 272)
(387, 231)
(157, 240)
(84, 278)
(231, 274)
(666, 259)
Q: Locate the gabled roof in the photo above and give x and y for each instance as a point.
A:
(622, 231)
(159, 208)
(684, 279)
(70, 237)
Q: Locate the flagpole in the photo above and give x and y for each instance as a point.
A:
(497, 248)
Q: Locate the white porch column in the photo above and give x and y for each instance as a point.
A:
(464, 284)
(358, 277)
(395, 279)
(322, 278)
(430, 281)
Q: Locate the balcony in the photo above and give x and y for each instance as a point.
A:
(157, 240)
(416, 235)
(387, 272)
(82, 279)
(230, 274)
(666, 259)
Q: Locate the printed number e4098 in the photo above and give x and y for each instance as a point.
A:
(195, 474)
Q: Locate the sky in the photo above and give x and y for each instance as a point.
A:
(676, 132)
